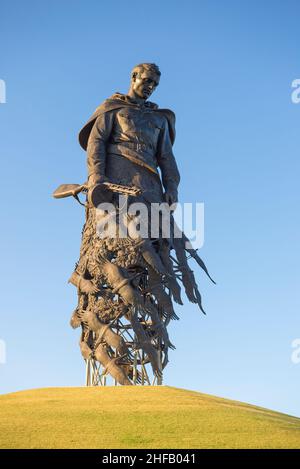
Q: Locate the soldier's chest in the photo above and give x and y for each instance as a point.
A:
(131, 120)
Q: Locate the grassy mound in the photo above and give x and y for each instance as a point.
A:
(138, 417)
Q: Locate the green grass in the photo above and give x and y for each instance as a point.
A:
(138, 417)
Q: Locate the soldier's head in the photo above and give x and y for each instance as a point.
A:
(144, 79)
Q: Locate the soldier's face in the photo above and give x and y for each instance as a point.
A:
(144, 84)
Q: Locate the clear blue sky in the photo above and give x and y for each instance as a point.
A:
(227, 69)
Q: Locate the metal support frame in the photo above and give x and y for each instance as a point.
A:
(142, 371)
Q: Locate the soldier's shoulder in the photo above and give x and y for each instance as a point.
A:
(169, 117)
(109, 104)
(167, 113)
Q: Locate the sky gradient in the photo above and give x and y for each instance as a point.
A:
(227, 70)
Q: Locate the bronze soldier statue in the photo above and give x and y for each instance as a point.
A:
(127, 284)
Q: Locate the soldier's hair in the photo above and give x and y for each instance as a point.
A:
(146, 66)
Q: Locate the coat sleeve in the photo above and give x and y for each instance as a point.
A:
(166, 160)
(96, 149)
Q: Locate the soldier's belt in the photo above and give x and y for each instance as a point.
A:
(120, 149)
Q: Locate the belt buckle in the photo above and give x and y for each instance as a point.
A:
(141, 147)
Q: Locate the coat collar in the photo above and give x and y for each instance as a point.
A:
(127, 99)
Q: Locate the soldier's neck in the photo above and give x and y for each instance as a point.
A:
(134, 96)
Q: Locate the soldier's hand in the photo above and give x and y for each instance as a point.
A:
(171, 197)
(95, 179)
